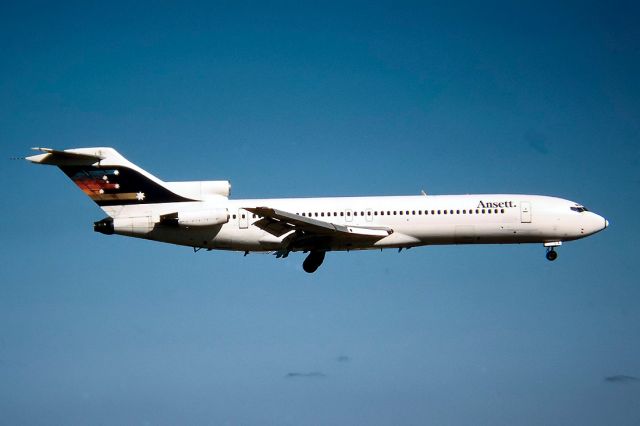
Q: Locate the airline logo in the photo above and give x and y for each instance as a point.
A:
(109, 186)
(495, 204)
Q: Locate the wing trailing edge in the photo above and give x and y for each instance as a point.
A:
(279, 222)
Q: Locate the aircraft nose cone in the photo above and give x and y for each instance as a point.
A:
(593, 223)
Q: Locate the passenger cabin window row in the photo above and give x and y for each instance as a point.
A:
(402, 212)
(349, 213)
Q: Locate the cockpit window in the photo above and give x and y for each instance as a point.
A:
(579, 209)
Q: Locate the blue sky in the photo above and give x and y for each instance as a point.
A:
(300, 99)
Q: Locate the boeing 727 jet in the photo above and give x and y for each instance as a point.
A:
(199, 214)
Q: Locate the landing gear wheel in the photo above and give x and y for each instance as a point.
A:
(313, 261)
(552, 255)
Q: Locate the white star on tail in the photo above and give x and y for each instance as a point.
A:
(140, 196)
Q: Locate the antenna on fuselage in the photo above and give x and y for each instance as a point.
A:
(423, 193)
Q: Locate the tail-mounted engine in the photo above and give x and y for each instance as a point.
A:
(142, 225)
(197, 218)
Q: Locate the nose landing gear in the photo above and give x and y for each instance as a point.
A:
(313, 261)
(551, 249)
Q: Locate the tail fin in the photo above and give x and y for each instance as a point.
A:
(107, 177)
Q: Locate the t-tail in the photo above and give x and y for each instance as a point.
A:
(113, 182)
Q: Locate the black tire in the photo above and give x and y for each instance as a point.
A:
(552, 255)
(313, 261)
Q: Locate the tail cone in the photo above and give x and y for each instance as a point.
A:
(104, 226)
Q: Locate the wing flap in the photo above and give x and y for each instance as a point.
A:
(274, 227)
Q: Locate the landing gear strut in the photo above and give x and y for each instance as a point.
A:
(313, 261)
(552, 254)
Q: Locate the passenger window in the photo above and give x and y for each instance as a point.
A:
(438, 211)
(341, 213)
(234, 216)
(433, 212)
(457, 211)
(502, 211)
(400, 212)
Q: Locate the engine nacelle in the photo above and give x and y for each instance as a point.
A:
(133, 226)
(201, 190)
(196, 218)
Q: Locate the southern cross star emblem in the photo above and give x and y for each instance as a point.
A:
(140, 196)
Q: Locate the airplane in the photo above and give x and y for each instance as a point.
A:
(199, 214)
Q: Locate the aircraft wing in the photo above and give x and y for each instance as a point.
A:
(279, 222)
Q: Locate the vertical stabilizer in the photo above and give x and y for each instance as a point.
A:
(107, 177)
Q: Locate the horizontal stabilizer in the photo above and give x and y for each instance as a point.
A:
(65, 158)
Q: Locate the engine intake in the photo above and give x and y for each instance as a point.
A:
(201, 190)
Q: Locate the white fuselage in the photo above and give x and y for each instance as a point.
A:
(199, 214)
(415, 221)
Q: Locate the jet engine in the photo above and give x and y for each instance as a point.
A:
(201, 190)
(196, 218)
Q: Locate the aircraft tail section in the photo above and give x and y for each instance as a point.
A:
(108, 178)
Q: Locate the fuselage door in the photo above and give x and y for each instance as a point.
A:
(243, 219)
(525, 212)
(348, 213)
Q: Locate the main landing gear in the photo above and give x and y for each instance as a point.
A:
(313, 261)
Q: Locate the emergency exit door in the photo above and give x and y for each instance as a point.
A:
(243, 219)
(525, 212)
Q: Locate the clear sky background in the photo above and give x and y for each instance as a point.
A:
(320, 99)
